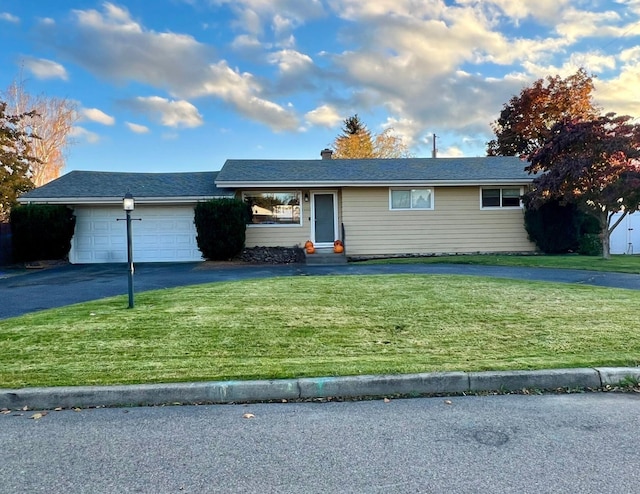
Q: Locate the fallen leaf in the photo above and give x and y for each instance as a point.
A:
(25, 408)
(387, 400)
(77, 409)
(284, 401)
(448, 402)
(36, 416)
(248, 416)
(58, 409)
(5, 412)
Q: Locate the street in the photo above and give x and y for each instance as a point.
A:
(570, 443)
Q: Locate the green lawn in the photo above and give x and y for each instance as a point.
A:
(322, 326)
(617, 263)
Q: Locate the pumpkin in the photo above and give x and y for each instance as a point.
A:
(338, 248)
(308, 244)
(311, 249)
(337, 242)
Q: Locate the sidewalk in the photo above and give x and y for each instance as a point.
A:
(413, 385)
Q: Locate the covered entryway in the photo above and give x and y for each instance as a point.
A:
(324, 218)
(165, 234)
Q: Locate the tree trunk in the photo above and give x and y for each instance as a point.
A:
(604, 235)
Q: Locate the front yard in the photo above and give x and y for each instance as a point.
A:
(322, 326)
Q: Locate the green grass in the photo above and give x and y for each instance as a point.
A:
(617, 263)
(322, 326)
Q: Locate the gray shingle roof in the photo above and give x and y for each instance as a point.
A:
(87, 184)
(387, 171)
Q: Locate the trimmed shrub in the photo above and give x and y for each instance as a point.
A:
(590, 245)
(41, 231)
(221, 225)
(553, 227)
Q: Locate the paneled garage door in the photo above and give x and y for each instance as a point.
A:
(166, 233)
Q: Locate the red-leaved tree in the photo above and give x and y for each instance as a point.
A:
(594, 164)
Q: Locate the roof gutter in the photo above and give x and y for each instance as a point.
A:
(386, 183)
(111, 201)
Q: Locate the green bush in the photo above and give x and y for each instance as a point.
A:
(41, 231)
(221, 225)
(590, 245)
(553, 227)
(559, 228)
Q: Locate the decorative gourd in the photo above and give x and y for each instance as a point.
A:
(311, 249)
(338, 248)
(308, 244)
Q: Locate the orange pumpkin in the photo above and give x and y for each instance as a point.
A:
(308, 244)
(337, 242)
(311, 249)
(338, 248)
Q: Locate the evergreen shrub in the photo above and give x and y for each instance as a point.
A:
(41, 232)
(221, 225)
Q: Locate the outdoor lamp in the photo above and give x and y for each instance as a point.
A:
(128, 203)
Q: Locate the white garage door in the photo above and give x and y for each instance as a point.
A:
(166, 233)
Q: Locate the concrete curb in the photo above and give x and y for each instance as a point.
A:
(307, 388)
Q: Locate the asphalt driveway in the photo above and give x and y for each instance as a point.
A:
(29, 291)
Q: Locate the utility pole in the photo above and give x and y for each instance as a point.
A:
(434, 152)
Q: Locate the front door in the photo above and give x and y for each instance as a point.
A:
(324, 220)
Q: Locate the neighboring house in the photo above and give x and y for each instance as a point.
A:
(385, 207)
(377, 207)
(164, 203)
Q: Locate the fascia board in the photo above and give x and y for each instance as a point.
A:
(385, 183)
(110, 201)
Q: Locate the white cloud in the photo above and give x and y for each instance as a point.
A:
(98, 116)
(241, 90)
(45, 69)
(175, 62)
(169, 113)
(450, 152)
(323, 116)
(291, 61)
(137, 128)
(82, 134)
(6, 16)
(99, 40)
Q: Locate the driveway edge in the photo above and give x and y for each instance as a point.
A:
(440, 383)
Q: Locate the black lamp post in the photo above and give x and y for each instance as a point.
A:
(128, 204)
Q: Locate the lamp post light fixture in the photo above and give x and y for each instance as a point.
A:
(128, 205)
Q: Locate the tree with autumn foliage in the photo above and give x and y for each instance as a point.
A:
(594, 164)
(15, 159)
(47, 125)
(526, 121)
(356, 141)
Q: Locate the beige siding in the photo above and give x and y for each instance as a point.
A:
(456, 225)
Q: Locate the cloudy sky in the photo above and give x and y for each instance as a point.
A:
(183, 85)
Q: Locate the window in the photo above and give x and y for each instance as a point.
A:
(501, 198)
(274, 208)
(411, 199)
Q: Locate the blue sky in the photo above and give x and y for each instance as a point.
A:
(183, 85)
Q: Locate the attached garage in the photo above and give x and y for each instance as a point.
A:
(164, 202)
(163, 234)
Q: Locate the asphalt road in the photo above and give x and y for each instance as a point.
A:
(578, 443)
(30, 291)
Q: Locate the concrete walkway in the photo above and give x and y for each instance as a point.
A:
(23, 292)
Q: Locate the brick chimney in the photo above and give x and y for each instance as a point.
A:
(326, 154)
